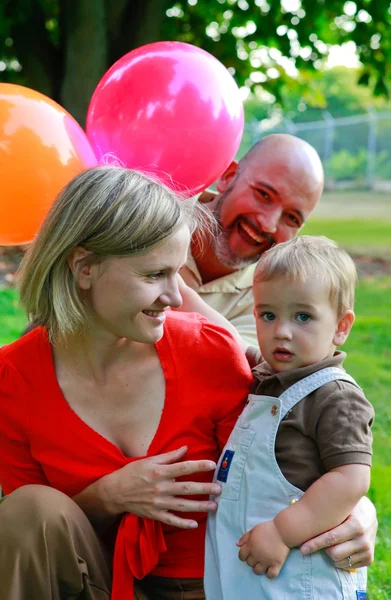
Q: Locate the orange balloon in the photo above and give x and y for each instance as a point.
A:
(41, 149)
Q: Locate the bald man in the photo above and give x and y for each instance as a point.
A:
(263, 200)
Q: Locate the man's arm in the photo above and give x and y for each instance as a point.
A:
(355, 537)
(246, 328)
(192, 302)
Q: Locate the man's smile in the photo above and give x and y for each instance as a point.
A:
(253, 236)
(249, 234)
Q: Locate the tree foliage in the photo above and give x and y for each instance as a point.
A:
(63, 47)
(331, 92)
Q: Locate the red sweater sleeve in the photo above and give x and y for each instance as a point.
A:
(17, 465)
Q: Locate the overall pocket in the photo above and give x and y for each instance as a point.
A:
(231, 465)
(354, 584)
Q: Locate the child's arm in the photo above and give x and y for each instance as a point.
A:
(326, 503)
(192, 302)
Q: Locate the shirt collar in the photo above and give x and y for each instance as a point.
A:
(288, 378)
(231, 283)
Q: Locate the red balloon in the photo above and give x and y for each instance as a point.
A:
(171, 109)
(41, 149)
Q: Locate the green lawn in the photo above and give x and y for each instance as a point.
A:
(12, 317)
(369, 361)
(360, 237)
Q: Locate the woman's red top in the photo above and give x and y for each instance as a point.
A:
(43, 441)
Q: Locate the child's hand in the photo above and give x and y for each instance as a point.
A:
(263, 549)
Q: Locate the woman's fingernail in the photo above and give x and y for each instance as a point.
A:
(305, 550)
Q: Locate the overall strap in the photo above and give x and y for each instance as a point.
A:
(309, 384)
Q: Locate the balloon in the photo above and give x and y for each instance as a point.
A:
(171, 109)
(41, 149)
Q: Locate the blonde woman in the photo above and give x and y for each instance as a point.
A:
(113, 410)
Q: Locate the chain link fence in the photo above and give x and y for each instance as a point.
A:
(355, 150)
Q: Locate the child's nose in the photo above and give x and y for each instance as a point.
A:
(283, 331)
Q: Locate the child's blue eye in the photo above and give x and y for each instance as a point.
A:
(303, 317)
(268, 316)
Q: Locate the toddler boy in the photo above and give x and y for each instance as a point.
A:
(298, 459)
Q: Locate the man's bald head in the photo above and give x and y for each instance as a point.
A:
(265, 198)
(293, 155)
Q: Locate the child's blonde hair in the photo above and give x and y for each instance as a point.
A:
(111, 212)
(312, 257)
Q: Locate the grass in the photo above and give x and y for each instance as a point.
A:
(369, 362)
(360, 237)
(359, 220)
(13, 319)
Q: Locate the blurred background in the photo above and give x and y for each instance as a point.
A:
(319, 70)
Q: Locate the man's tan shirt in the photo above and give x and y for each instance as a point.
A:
(230, 295)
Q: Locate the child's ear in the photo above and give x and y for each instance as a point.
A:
(344, 326)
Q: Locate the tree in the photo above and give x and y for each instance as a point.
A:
(335, 91)
(63, 47)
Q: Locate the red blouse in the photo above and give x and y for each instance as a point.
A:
(43, 441)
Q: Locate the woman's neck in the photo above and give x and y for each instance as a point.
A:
(94, 354)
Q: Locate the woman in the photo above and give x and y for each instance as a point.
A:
(101, 407)
(114, 410)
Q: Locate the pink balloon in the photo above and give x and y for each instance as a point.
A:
(171, 109)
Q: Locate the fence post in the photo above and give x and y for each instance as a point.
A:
(328, 139)
(289, 125)
(372, 122)
(254, 132)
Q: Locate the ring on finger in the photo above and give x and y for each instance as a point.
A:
(350, 563)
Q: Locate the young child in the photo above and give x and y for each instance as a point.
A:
(304, 435)
(298, 459)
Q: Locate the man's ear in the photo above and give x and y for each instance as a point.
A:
(344, 326)
(226, 179)
(80, 268)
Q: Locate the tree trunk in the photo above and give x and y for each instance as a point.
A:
(38, 57)
(84, 38)
(140, 23)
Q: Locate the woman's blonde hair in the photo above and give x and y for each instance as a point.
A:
(111, 212)
(312, 257)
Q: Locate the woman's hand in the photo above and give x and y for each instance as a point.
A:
(147, 488)
(354, 538)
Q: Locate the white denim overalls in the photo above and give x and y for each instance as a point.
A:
(255, 490)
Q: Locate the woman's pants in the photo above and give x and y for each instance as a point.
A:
(50, 551)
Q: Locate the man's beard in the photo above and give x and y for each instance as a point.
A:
(223, 252)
